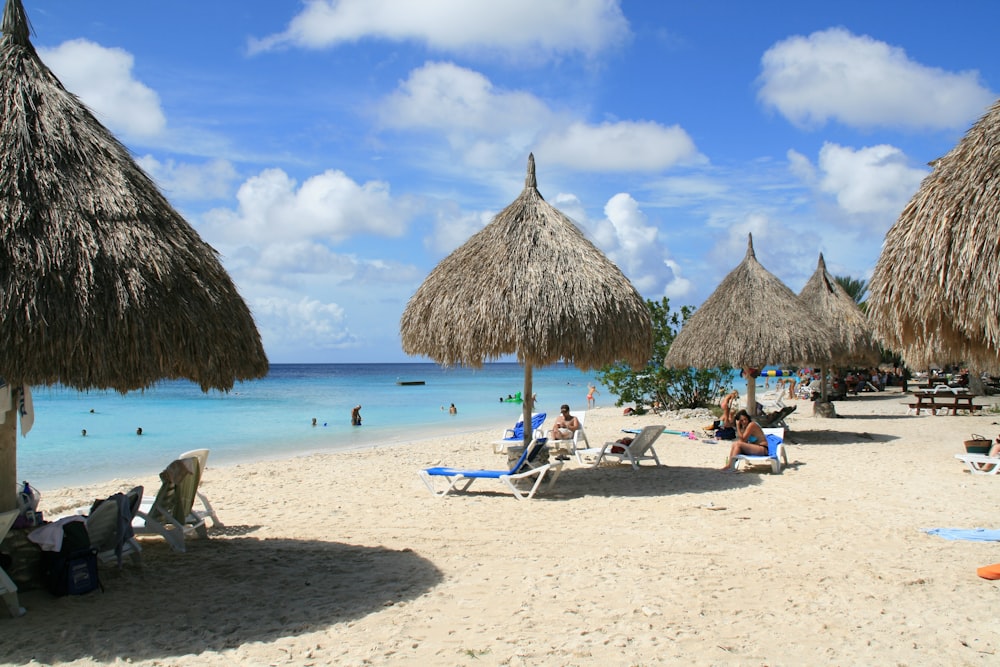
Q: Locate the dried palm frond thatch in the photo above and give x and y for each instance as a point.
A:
(828, 300)
(102, 283)
(528, 284)
(751, 320)
(935, 291)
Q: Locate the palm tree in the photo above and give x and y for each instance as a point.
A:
(856, 288)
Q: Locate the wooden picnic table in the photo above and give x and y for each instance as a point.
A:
(933, 401)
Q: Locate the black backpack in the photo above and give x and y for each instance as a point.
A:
(73, 569)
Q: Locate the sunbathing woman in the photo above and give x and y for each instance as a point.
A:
(749, 440)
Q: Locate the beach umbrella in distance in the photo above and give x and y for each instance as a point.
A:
(751, 320)
(854, 343)
(528, 284)
(103, 284)
(935, 290)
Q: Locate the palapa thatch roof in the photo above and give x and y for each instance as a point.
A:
(828, 300)
(751, 320)
(528, 284)
(935, 291)
(102, 283)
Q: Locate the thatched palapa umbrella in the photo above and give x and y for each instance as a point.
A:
(828, 300)
(751, 320)
(528, 284)
(935, 291)
(102, 283)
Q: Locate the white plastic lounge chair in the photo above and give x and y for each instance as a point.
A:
(8, 589)
(776, 456)
(207, 510)
(640, 449)
(172, 514)
(980, 464)
(463, 479)
(515, 435)
(110, 528)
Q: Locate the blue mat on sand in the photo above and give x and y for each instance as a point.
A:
(974, 534)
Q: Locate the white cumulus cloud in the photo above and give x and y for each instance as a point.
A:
(273, 207)
(102, 78)
(862, 82)
(524, 30)
(183, 180)
(621, 146)
(874, 179)
(304, 323)
(486, 125)
(628, 238)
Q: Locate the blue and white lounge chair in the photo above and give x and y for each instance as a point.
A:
(463, 479)
(776, 456)
(515, 436)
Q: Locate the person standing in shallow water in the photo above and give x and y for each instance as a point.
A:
(356, 416)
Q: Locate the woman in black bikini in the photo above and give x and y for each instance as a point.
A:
(749, 439)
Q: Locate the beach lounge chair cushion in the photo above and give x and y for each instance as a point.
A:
(522, 469)
(515, 435)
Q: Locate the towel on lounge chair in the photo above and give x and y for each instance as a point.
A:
(973, 534)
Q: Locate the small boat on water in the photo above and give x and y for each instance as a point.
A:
(408, 383)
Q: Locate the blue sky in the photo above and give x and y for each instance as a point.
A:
(334, 151)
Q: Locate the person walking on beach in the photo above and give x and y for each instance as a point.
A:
(591, 390)
(356, 416)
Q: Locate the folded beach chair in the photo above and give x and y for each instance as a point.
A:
(109, 526)
(515, 435)
(776, 456)
(640, 449)
(172, 514)
(8, 589)
(980, 464)
(522, 469)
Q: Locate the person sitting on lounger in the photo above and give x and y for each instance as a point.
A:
(565, 425)
(749, 439)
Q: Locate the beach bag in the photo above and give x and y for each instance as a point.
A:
(73, 569)
(979, 444)
(726, 434)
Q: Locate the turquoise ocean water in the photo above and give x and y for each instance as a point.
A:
(272, 417)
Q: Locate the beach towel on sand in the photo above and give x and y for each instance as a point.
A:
(973, 534)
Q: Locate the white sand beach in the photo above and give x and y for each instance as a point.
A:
(346, 559)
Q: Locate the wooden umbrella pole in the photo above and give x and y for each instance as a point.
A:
(527, 404)
(751, 406)
(8, 460)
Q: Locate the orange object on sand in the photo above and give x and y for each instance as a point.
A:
(989, 571)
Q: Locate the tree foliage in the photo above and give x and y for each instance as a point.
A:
(672, 388)
(856, 288)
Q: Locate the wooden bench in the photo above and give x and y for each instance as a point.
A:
(933, 402)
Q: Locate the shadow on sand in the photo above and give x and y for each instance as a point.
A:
(274, 588)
